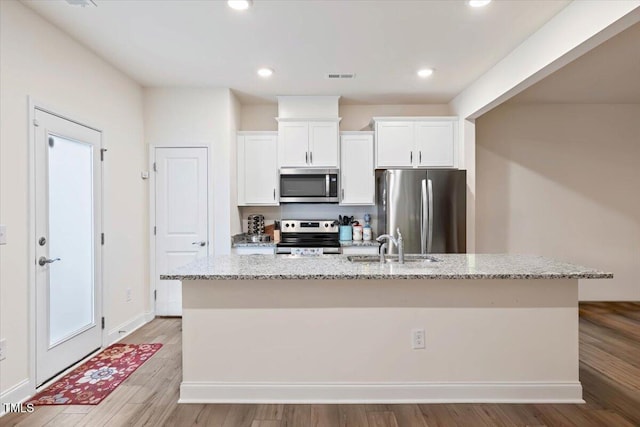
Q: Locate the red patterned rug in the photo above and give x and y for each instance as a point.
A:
(95, 379)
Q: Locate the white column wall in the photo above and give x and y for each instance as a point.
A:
(200, 117)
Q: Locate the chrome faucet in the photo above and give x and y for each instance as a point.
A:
(399, 243)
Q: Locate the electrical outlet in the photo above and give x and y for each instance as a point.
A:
(417, 339)
(3, 234)
(128, 294)
(3, 349)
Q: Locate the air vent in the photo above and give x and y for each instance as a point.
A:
(341, 76)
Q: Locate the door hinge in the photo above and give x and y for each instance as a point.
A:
(155, 295)
(36, 123)
(102, 150)
(155, 168)
(155, 230)
(102, 238)
(103, 322)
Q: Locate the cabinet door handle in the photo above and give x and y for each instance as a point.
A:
(311, 157)
(411, 157)
(343, 194)
(274, 194)
(420, 156)
(306, 157)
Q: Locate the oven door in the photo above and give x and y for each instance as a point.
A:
(309, 186)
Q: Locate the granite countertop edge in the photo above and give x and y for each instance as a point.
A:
(343, 243)
(383, 276)
(338, 267)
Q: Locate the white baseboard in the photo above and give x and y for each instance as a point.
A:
(128, 327)
(472, 392)
(16, 394)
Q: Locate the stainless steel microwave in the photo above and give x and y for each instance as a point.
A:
(308, 185)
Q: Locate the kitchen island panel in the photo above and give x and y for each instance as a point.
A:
(350, 341)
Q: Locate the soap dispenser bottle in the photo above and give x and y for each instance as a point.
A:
(366, 230)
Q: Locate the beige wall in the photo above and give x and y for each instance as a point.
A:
(39, 60)
(354, 117)
(563, 181)
(259, 117)
(358, 117)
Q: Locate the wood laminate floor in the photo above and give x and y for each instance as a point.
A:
(609, 372)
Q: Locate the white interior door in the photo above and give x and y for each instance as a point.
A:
(68, 210)
(182, 226)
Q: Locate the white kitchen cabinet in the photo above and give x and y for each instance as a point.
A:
(415, 142)
(360, 250)
(257, 169)
(293, 144)
(435, 143)
(253, 250)
(323, 144)
(395, 144)
(311, 143)
(357, 172)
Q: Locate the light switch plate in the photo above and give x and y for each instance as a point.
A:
(3, 234)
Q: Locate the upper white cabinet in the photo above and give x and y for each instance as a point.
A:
(310, 143)
(395, 143)
(257, 169)
(418, 142)
(357, 172)
(435, 143)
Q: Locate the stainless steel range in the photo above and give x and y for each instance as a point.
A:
(315, 235)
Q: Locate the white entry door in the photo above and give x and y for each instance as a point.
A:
(68, 197)
(182, 226)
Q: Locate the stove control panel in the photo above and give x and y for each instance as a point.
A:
(309, 226)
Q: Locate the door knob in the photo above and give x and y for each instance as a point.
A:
(202, 243)
(44, 261)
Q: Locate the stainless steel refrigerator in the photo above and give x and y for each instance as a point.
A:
(428, 205)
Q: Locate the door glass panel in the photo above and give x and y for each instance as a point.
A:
(71, 280)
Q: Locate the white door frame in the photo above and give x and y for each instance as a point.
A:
(31, 214)
(152, 214)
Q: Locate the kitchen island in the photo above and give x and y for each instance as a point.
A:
(277, 328)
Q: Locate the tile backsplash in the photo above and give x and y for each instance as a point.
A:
(308, 211)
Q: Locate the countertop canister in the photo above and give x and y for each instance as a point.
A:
(357, 232)
(346, 232)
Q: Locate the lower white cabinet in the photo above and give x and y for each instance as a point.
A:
(258, 169)
(254, 250)
(357, 171)
(360, 250)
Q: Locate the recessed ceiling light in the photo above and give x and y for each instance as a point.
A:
(265, 72)
(479, 3)
(239, 4)
(425, 72)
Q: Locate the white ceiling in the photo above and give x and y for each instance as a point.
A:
(607, 74)
(205, 43)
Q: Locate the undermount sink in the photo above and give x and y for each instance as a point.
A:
(392, 259)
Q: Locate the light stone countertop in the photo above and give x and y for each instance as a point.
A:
(337, 267)
(254, 245)
(359, 243)
(273, 244)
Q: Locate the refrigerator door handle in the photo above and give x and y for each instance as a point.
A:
(430, 205)
(423, 217)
